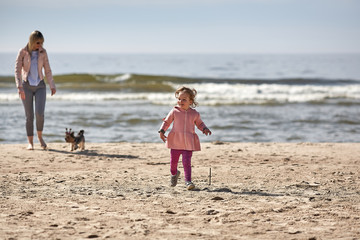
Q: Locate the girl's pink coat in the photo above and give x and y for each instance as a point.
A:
(182, 135)
(23, 63)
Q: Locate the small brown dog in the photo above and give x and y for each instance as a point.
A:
(75, 142)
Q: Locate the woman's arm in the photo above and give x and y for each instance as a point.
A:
(48, 74)
(18, 68)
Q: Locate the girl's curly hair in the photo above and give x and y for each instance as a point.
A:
(190, 91)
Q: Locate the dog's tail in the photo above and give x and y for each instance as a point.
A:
(79, 137)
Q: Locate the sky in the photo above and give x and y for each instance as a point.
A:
(184, 26)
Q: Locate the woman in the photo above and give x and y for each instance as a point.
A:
(29, 80)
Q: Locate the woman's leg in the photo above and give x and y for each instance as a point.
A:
(40, 100)
(41, 140)
(29, 114)
(31, 143)
(186, 160)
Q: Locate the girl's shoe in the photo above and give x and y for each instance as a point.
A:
(174, 179)
(189, 185)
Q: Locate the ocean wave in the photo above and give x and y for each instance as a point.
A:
(107, 81)
(134, 80)
(159, 90)
(221, 94)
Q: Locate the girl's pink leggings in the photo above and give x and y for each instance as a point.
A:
(186, 160)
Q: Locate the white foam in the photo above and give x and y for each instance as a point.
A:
(117, 79)
(219, 94)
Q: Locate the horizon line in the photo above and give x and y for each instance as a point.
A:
(197, 53)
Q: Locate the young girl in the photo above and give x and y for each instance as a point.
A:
(182, 139)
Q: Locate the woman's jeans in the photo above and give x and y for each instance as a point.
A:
(39, 94)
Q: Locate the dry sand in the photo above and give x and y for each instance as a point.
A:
(121, 191)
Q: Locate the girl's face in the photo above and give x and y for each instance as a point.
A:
(184, 101)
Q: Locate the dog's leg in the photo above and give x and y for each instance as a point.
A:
(82, 146)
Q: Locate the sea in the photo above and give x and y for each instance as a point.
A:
(241, 97)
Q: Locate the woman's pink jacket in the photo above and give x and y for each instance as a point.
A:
(23, 63)
(182, 135)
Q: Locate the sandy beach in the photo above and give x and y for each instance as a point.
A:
(121, 191)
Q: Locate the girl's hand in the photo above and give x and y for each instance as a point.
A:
(21, 93)
(207, 131)
(53, 91)
(163, 137)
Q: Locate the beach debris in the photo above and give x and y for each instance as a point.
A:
(218, 143)
(82, 219)
(210, 176)
(217, 198)
(93, 236)
(26, 214)
(222, 190)
(170, 212)
(157, 163)
(305, 184)
(212, 212)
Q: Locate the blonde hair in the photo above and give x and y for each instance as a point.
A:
(190, 91)
(35, 36)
